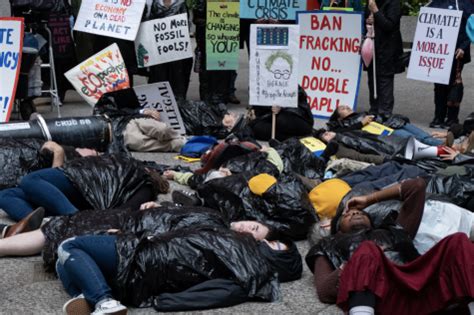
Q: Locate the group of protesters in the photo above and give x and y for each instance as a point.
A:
(390, 228)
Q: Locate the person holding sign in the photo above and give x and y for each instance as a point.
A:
(384, 15)
(448, 97)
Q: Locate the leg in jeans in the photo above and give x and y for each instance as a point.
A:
(51, 189)
(87, 262)
(410, 130)
(15, 203)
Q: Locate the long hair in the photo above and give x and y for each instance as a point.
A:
(160, 184)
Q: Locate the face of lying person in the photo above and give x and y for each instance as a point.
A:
(229, 120)
(344, 111)
(328, 136)
(258, 230)
(354, 220)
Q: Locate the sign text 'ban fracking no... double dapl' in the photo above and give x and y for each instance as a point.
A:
(11, 44)
(329, 59)
(222, 35)
(102, 73)
(113, 18)
(273, 65)
(160, 96)
(163, 40)
(271, 9)
(434, 45)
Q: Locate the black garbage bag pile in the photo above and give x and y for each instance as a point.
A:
(299, 159)
(459, 189)
(200, 118)
(252, 162)
(285, 206)
(106, 181)
(19, 157)
(179, 259)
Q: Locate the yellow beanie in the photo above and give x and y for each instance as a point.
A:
(326, 197)
(261, 183)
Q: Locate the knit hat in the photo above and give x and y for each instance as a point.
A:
(326, 197)
(261, 183)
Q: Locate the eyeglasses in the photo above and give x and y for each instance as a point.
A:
(285, 74)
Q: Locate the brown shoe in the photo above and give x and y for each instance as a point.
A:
(77, 306)
(29, 223)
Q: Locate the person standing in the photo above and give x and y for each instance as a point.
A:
(448, 97)
(384, 15)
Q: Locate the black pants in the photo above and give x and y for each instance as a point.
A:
(177, 73)
(441, 92)
(287, 125)
(385, 100)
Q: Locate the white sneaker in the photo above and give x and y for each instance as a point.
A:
(77, 306)
(110, 307)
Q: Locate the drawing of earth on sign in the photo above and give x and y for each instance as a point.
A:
(280, 64)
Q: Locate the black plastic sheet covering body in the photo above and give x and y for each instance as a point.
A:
(459, 189)
(19, 157)
(395, 121)
(255, 161)
(200, 118)
(299, 159)
(106, 181)
(151, 221)
(365, 142)
(179, 259)
(338, 248)
(285, 206)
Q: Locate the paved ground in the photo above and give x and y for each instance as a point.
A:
(27, 289)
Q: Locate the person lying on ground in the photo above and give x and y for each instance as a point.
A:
(290, 121)
(94, 182)
(350, 267)
(345, 119)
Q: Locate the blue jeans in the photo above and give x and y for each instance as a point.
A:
(410, 130)
(85, 265)
(51, 189)
(15, 203)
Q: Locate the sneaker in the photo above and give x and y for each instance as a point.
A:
(110, 307)
(186, 198)
(436, 123)
(77, 306)
(448, 123)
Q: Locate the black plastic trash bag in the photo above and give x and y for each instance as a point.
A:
(253, 162)
(365, 142)
(285, 206)
(19, 157)
(299, 159)
(177, 260)
(200, 118)
(459, 189)
(106, 181)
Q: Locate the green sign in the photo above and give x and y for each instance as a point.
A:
(222, 35)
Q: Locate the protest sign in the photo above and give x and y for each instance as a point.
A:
(113, 18)
(313, 144)
(273, 65)
(377, 129)
(60, 26)
(329, 59)
(160, 97)
(271, 9)
(11, 45)
(434, 45)
(163, 40)
(222, 35)
(104, 72)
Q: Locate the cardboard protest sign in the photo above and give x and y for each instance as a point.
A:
(273, 65)
(163, 40)
(160, 97)
(271, 9)
(113, 18)
(434, 45)
(314, 145)
(104, 72)
(329, 60)
(60, 26)
(11, 45)
(377, 129)
(222, 35)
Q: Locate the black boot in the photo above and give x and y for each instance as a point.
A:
(453, 113)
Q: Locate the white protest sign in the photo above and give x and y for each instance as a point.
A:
(113, 18)
(330, 64)
(163, 40)
(434, 45)
(11, 44)
(273, 65)
(160, 97)
(102, 73)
